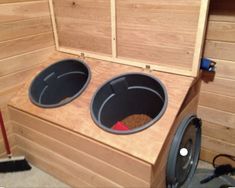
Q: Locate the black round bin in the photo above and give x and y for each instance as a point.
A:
(59, 83)
(136, 99)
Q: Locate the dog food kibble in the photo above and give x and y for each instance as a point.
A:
(136, 120)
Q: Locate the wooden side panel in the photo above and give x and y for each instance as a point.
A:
(84, 24)
(10, 12)
(189, 107)
(135, 168)
(143, 32)
(217, 99)
(74, 154)
(26, 40)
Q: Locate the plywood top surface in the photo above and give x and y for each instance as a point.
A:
(75, 116)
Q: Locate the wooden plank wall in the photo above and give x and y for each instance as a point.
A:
(217, 99)
(26, 40)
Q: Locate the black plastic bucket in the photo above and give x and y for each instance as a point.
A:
(127, 95)
(59, 83)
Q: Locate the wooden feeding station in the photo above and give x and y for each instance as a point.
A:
(116, 105)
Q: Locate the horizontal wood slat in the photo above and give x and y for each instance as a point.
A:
(217, 145)
(135, 167)
(225, 69)
(220, 86)
(55, 169)
(216, 116)
(221, 132)
(61, 162)
(208, 155)
(219, 102)
(25, 61)
(22, 11)
(24, 28)
(220, 50)
(15, 79)
(221, 31)
(16, 1)
(222, 10)
(26, 44)
(88, 161)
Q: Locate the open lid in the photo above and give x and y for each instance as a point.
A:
(163, 35)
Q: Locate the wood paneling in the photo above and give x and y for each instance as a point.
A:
(24, 28)
(220, 50)
(221, 31)
(217, 100)
(143, 32)
(59, 161)
(165, 35)
(217, 116)
(25, 40)
(208, 155)
(85, 145)
(221, 86)
(24, 61)
(217, 145)
(26, 44)
(84, 24)
(224, 133)
(88, 161)
(22, 11)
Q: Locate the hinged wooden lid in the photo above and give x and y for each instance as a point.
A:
(164, 35)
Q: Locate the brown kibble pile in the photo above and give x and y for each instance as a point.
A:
(136, 120)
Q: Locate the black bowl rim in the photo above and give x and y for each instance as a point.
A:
(138, 129)
(67, 101)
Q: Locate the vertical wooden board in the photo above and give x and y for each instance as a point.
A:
(22, 11)
(84, 24)
(24, 28)
(221, 132)
(161, 32)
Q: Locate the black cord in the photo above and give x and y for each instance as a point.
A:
(222, 155)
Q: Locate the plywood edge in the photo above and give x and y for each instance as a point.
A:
(200, 36)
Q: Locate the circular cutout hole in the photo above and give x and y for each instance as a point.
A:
(59, 83)
(129, 103)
